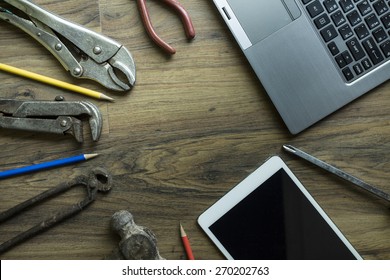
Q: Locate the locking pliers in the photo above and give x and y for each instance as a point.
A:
(82, 52)
(58, 117)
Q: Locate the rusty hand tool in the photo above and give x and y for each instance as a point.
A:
(58, 117)
(83, 52)
(188, 26)
(137, 242)
(97, 180)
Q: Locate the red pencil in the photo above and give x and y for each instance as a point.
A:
(186, 243)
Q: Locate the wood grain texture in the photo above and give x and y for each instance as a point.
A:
(194, 125)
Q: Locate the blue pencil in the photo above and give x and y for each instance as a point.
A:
(45, 165)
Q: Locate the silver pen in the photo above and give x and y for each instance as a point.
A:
(337, 172)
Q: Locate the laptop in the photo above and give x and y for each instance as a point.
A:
(312, 56)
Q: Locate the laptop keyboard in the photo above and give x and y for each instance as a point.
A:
(356, 33)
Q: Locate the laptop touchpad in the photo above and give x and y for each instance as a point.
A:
(261, 18)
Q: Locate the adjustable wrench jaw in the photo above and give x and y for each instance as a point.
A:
(58, 117)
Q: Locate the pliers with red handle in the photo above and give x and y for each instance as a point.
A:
(188, 26)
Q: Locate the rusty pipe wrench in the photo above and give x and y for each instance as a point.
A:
(98, 180)
(82, 52)
(58, 117)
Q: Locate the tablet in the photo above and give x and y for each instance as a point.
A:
(271, 216)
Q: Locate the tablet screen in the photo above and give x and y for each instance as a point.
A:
(277, 221)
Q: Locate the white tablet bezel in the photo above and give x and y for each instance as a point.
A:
(249, 184)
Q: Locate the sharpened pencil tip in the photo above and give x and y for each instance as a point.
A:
(89, 156)
(182, 232)
(105, 97)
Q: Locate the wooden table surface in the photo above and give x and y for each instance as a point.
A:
(194, 125)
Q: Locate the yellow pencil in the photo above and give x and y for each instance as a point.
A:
(53, 82)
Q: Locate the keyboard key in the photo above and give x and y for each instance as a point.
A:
(346, 31)
(315, 8)
(372, 21)
(348, 74)
(364, 8)
(385, 47)
(362, 31)
(347, 57)
(358, 69)
(386, 21)
(338, 18)
(330, 5)
(344, 59)
(366, 63)
(380, 7)
(372, 51)
(333, 48)
(329, 33)
(346, 5)
(322, 21)
(354, 18)
(379, 34)
(340, 61)
(356, 49)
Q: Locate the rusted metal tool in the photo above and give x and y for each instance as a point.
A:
(98, 180)
(83, 52)
(58, 117)
(176, 6)
(137, 242)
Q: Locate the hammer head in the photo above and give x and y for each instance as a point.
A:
(137, 243)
